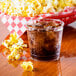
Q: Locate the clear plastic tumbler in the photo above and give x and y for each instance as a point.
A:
(45, 39)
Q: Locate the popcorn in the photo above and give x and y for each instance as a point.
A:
(17, 56)
(27, 66)
(29, 8)
(20, 41)
(15, 45)
(9, 57)
(5, 44)
(74, 2)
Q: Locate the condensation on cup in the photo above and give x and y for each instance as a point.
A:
(45, 39)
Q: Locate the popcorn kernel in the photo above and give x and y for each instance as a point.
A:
(27, 66)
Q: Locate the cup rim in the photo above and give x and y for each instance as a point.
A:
(40, 23)
(47, 21)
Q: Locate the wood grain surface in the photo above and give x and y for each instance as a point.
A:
(66, 66)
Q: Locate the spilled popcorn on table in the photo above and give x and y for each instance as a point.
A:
(27, 66)
(16, 47)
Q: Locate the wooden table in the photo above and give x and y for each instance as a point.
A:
(66, 66)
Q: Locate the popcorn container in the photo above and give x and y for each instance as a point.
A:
(45, 39)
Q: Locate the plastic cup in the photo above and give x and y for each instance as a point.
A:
(45, 39)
